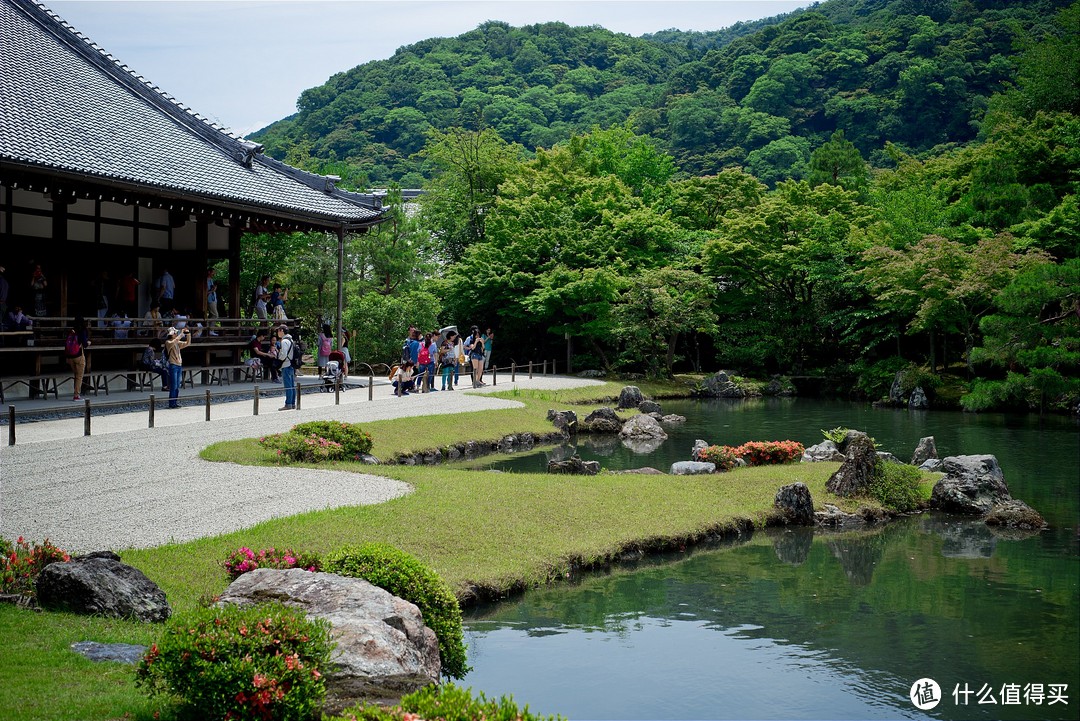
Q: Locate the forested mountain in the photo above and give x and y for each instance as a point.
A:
(914, 73)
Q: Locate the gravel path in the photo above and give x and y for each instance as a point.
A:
(129, 486)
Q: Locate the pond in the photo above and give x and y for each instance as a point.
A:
(808, 624)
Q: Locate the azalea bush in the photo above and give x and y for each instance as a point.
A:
(297, 448)
(765, 453)
(446, 702)
(244, 559)
(21, 562)
(318, 441)
(263, 662)
(354, 441)
(407, 577)
(723, 457)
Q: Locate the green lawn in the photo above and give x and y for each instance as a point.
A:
(485, 533)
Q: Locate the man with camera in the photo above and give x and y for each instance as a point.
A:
(176, 341)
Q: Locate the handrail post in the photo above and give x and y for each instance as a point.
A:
(494, 375)
(86, 417)
(11, 425)
(297, 389)
(513, 371)
(150, 421)
(371, 386)
(337, 391)
(255, 399)
(530, 370)
(544, 372)
(207, 404)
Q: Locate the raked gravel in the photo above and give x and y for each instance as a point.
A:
(129, 486)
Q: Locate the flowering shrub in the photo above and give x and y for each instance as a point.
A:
(20, 563)
(447, 702)
(262, 662)
(405, 576)
(764, 453)
(724, 457)
(297, 448)
(244, 559)
(354, 442)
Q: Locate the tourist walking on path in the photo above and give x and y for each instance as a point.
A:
(326, 344)
(489, 340)
(176, 341)
(78, 340)
(288, 372)
(448, 360)
(476, 358)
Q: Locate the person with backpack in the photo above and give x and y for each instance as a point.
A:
(423, 364)
(287, 348)
(176, 341)
(151, 362)
(326, 344)
(75, 347)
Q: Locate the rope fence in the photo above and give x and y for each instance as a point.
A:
(207, 399)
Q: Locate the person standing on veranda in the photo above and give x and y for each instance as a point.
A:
(211, 300)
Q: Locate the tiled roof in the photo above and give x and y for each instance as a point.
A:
(68, 106)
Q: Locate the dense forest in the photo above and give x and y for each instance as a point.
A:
(847, 191)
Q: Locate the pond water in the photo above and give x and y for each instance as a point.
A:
(807, 624)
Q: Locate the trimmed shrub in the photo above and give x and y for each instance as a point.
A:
(723, 457)
(296, 448)
(261, 662)
(20, 563)
(353, 440)
(897, 486)
(445, 702)
(407, 577)
(765, 453)
(244, 559)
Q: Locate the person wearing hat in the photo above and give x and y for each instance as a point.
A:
(288, 373)
(176, 341)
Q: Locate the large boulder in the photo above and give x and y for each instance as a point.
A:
(99, 584)
(642, 427)
(383, 651)
(971, 484)
(602, 420)
(896, 390)
(918, 400)
(565, 421)
(795, 503)
(854, 475)
(649, 407)
(630, 397)
(926, 450)
(824, 451)
(692, 468)
(574, 466)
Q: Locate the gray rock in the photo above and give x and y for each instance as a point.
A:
(101, 585)
(896, 390)
(930, 464)
(833, 517)
(472, 449)
(602, 420)
(119, 652)
(850, 436)
(720, 385)
(824, 451)
(1015, 514)
(644, 471)
(795, 503)
(507, 443)
(640, 427)
(918, 400)
(692, 468)
(452, 453)
(590, 374)
(630, 397)
(574, 466)
(564, 420)
(972, 484)
(649, 407)
(369, 459)
(925, 451)
(658, 417)
(699, 446)
(383, 648)
(854, 476)
(886, 457)
(672, 418)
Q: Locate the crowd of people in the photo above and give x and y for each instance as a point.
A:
(442, 355)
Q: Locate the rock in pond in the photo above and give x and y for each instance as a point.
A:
(640, 427)
(574, 466)
(602, 420)
(1015, 514)
(795, 503)
(853, 477)
(926, 450)
(972, 484)
(649, 407)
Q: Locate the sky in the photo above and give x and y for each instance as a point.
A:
(244, 63)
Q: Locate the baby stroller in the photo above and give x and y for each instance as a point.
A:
(335, 372)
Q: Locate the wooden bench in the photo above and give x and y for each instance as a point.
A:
(46, 383)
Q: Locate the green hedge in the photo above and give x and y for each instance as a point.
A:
(446, 702)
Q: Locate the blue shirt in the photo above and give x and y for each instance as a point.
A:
(414, 350)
